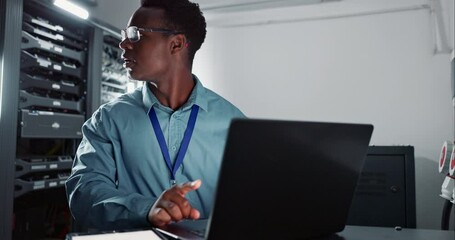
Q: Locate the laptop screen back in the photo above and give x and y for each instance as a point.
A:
(287, 180)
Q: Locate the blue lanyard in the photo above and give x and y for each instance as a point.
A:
(185, 142)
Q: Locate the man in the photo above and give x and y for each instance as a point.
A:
(152, 157)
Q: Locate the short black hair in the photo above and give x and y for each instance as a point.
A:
(183, 16)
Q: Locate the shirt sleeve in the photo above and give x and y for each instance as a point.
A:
(93, 196)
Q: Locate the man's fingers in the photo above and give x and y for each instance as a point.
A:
(182, 203)
(194, 214)
(159, 217)
(188, 186)
(172, 209)
(173, 206)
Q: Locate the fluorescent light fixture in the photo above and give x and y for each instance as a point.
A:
(72, 8)
(247, 5)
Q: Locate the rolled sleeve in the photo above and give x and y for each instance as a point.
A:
(94, 198)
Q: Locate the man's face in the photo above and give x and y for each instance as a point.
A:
(149, 58)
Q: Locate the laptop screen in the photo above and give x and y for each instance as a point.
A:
(285, 180)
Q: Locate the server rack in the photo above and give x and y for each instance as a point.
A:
(51, 110)
(10, 28)
(110, 79)
(114, 81)
(59, 69)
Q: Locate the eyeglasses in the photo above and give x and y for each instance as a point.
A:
(133, 34)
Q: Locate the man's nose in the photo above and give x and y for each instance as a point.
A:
(125, 43)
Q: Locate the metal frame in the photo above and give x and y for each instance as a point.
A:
(94, 71)
(10, 26)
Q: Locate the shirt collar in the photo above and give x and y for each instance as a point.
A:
(197, 96)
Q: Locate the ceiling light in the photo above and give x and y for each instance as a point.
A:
(72, 8)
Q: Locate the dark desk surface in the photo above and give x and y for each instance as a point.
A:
(381, 233)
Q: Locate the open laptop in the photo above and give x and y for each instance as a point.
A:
(283, 180)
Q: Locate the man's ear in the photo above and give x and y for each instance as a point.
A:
(178, 43)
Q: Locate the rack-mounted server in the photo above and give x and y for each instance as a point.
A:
(114, 81)
(49, 83)
(51, 98)
(42, 124)
(29, 165)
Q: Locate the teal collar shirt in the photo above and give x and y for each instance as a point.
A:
(119, 170)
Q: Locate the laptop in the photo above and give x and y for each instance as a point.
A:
(283, 180)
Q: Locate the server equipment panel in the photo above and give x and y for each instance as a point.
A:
(53, 77)
(114, 81)
(29, 165)
(39, 99)
(52, 107)
(42, 124)
(28, 81)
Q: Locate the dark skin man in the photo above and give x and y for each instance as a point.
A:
(162, 61)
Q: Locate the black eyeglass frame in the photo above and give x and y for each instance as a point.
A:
(124, 32)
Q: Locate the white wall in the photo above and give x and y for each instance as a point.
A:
(378, 69)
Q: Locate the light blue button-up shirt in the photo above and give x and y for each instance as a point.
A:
(119, 170)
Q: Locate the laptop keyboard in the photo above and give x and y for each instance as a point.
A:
(199, 232)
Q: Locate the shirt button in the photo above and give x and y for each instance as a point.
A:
(174, 148)
(175, 116)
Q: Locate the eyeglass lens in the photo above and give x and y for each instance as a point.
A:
(131, 33)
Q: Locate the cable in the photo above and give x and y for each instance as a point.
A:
(445, 221)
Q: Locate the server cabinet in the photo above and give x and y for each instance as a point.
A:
(59, 69)
(10, 45)
(114, 81)
(52, 107)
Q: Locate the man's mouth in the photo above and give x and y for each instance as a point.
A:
(128, 62)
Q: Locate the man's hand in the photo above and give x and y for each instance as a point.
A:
(173, 206)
